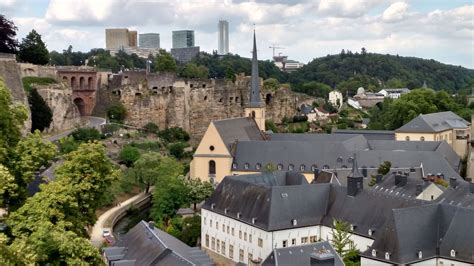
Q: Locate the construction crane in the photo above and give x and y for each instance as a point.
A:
(274, 48)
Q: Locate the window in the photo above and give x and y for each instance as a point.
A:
(246, 166)
(240, 234)
(250, 238)
(213, 243)
(211, 148)
(223, 248)
(218, 245)
(231, 251)
(210, 222)
(422, 138)
(279, 167)
(250, 256)
(227, 229)
(260, 242)
(313, 167)
(293, 241)
(258, 166)
(223, 228)
(291, 167)
(302, 167)
(284, 243)
(232, 230)
(217, 225)
(241, 255)
(207, 240)
(312, 239)
(234, 166)
(407, 138)
(245, 236)
(212, 167)
(304, 240)
(325, 166)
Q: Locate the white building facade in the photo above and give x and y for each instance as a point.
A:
(335, 98)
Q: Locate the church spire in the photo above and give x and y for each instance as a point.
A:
(255, 82)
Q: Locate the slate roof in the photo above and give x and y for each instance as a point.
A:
(398, 224)
(301, 255)
(433, 229)
(146, 246)
(368, 134)
(435, 122)
(242, 129)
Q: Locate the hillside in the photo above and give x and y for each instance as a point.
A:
(348, 71)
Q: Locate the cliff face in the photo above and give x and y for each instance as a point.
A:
(190, 104)
(59, 99)
(10, 72)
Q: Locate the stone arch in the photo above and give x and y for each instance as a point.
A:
(73, 82)
(81, 105)
(64, 78)
(90, 83)
(82, 83)
(268, 98)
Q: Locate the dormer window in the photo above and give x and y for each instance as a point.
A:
(294, 222)
(212, 206)
(420, 254)
(374, 253)
(258, 166)
(279, 167)
(353, 226)
(225, 210)
(452, 253)
(246, 166)
(254, 220)
(302, 167)
(371, 232)
(387, 255)
(234, 166)
(326, 166)
(291, 167)
(313, 167)
(238, 215)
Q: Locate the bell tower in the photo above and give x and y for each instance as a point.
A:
(255, 107)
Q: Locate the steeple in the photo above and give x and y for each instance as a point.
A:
(355, 181)
(254, 100)
(355, 168)
(255, 108)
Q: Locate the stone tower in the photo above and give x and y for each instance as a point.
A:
(255, 108)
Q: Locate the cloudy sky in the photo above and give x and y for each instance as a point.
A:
(438, 29)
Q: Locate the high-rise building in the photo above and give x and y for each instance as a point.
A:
(132, 38)
(183, 38)
(116, 38)
(150, 40)
(223, 37)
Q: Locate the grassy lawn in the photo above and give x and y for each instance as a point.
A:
(27, 81)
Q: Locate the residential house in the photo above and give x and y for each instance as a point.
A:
(394, 93)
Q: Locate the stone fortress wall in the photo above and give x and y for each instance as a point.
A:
(191, 104)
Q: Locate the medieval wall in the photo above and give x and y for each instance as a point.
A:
(191, 104)
(10, 73)
(59, 99)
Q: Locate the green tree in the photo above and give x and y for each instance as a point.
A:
(271, 84)
(33, 50)
(68, 144)
(8, 187)
(8, 42)
(174, 134)
(152, 167)
(86, 134)
(12, 118)
(164, 62)
(151, 127)
(177, 149)
(191, 70)
(384, 168)
(270, 125)
(198, 190)
(170, 195)
(41, 114)
(117, 113)
(395, 83)
(341, 234)
(129, 155)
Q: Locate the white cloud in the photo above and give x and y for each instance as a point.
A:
(345, 8)
(395, 12)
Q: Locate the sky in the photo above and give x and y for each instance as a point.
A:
(442, 30)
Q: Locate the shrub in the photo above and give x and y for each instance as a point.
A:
(117, 113)
(27, 81)
(128, 155)
(151, 128)
(384, 168)
(269, 125)
(86, 134)
(177, 149)
(174, 134)
(68, 144)
(300, 118)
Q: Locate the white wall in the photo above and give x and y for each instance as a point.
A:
(429, 262)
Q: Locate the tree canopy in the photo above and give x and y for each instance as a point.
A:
(164, 62)
(41, 114)
(33, 50)
(8, 42)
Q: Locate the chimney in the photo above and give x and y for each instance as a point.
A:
(151, 225)
(322, 257)
(453, 182)
(355, 181)
(400, 179)
(378, 178)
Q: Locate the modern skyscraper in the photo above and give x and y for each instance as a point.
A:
(223, 37)
(150, 40)
(183, 38)
(132, 38)
(120, 39)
